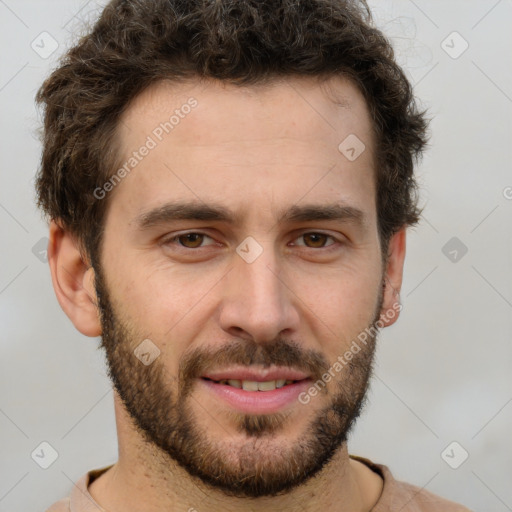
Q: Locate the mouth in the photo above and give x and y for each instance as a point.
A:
(256, 392)
(254, 385)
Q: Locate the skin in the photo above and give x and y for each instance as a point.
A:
(255, 150)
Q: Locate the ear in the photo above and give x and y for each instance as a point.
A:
(393, 274)
(73, 281)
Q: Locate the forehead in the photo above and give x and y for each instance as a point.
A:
(276, 142)
(312, 105)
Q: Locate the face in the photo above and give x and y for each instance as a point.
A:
(242, 251)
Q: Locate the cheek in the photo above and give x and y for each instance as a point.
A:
(341, 304)
(148, 290)
(350, 283)
(165, 303)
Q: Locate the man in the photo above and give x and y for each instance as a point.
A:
(228, 186)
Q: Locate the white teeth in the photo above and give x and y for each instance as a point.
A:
(250, 385)
(267, 386)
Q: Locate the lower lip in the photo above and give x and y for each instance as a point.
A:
(257, 402)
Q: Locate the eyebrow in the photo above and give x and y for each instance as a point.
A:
(170, 212)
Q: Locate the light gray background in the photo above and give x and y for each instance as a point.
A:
(443, 372)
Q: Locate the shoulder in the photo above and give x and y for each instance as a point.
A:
(60, 506)
(398, 495)
(410, 498)
(79, 499)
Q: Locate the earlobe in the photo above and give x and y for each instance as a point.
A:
(393, 275)
(73, 281)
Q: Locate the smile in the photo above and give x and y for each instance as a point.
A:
(252, 385)
(252, 392)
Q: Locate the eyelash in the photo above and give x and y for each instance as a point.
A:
(174, 240)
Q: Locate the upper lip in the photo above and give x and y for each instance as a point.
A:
(252, 374)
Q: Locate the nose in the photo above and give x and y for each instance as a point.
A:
(258, 303)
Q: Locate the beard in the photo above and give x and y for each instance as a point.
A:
(161, 408)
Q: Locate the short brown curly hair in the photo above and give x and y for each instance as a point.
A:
(135, 43)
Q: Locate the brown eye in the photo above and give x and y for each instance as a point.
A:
(315, 240)
(191, 240)
(187, 240)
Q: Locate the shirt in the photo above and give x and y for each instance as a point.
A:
(396, 496)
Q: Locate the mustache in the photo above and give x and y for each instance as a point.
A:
(281, 352)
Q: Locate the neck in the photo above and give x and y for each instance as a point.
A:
(353, 488)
